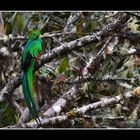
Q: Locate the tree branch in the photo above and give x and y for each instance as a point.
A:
(61, 102)
(94, 79)
(10, 87)
(79, 111)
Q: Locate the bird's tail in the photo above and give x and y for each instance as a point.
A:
(27, 86)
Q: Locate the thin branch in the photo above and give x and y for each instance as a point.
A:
(17, 106)
(134, 37)
(7, 38)
(24, 116)
(94, 79)
(70, 20)
(95, 62)
(79, 111)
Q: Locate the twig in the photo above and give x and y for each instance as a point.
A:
(95, 62)
(70, 20)
(17, 106)
(104, 79)
(24, 116)
(7, 38)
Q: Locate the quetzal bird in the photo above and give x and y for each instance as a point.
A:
(31, 51)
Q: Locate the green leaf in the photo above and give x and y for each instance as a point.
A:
(7, 116)
(63, 65)
(8, 28)
(129, 74)
(20, 23)
(91, 25)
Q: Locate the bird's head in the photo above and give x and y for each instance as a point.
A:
(34, 34)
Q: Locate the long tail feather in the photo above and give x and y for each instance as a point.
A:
(28, 95)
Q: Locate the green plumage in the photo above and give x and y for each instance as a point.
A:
(31, 50)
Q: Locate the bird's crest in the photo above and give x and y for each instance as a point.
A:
(34, 34)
